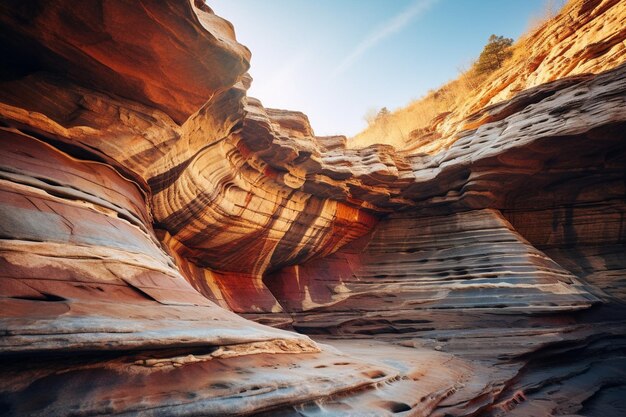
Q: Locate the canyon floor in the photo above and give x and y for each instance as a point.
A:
(171, 247)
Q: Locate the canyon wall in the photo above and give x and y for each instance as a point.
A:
(155, 220)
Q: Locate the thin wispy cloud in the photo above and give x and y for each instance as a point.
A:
(393, 25)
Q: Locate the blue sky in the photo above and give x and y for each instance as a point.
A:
(335, 59)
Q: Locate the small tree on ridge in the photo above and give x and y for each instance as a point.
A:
(496, 51)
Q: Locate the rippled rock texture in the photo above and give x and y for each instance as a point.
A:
(154, 220)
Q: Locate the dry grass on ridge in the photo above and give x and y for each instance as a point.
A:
(402, 127)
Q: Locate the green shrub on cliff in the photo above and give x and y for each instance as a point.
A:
(496, 51)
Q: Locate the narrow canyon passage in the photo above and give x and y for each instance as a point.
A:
(171, 247)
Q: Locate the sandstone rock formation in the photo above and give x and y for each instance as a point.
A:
(154, 219)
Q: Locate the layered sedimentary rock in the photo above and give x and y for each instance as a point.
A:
(171, 44)
(144, 196)
(458, 266)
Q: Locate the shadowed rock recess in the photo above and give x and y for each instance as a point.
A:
(167, 243)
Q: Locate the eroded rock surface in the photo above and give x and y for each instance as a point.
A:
(153, 218)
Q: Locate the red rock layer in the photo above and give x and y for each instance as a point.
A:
(82, 268)
(168, 64)
(91, 303)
